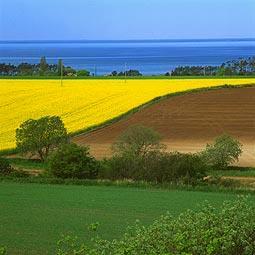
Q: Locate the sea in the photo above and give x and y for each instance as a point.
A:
(150, 57)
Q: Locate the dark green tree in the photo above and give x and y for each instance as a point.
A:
(40, 137)
(72, 161)
(137, 140)
(60, 67)
(43, 66)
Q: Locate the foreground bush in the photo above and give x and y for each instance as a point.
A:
(3, 251)
(72, 161)
(210, 231)
(155, 167)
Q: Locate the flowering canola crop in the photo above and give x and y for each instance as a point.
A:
(83, 103)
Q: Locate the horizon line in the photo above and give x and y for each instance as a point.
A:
(127, 40)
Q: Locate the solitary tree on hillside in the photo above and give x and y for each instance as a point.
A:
(39, 137)
(137, 140)
(223, 152)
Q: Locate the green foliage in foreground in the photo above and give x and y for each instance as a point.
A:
(34, 216)
(3, 251)
(210, 231)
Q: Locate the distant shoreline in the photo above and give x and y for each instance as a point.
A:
(150, 57)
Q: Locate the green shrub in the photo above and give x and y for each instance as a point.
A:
(5, 167)
(139, 155)
(173, 167)
(229, 230)
(177, 166)
(155, 167)
(223, 152)
(7, 170)
(72, 161)
(3, 251)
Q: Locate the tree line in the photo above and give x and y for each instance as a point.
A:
(241, 66)
(41, 69)
(138, 155)
(59, 69)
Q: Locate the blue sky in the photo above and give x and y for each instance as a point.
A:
(126, 19)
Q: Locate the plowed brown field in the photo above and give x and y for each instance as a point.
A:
(188, 122)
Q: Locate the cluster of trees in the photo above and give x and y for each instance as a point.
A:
(45, 69)
(138, 154)
(130, 72)
(241, 66)
(194, 71)
(41, 69)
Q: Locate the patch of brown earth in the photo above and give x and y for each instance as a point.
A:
(188, 122)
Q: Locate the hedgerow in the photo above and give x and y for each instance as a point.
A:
(229, 230)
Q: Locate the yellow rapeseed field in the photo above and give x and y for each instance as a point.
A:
(82, 103)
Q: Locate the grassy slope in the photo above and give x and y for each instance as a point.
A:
(33, 216)
(23, 163)
(238, 172)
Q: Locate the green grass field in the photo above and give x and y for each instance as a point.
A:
(244, 173)
(23, 163)
(33, 216)
(234, 171)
